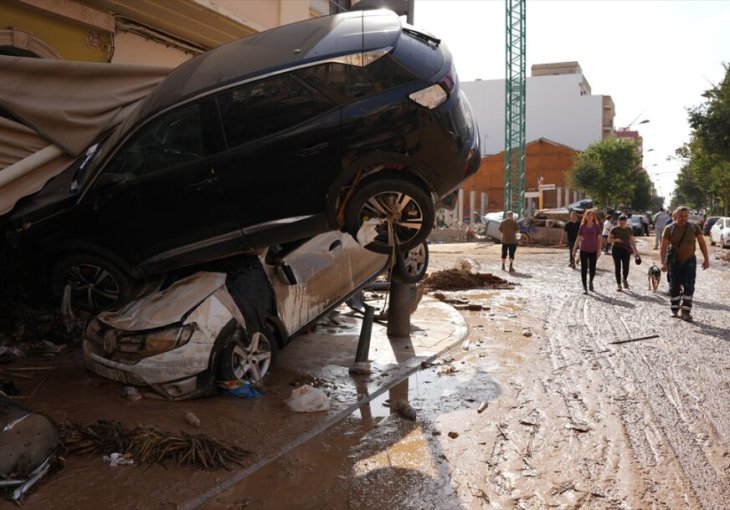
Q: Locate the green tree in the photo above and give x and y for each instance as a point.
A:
(710, 121)
(704, 181)
(606, 171)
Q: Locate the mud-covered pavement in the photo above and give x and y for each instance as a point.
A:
(568, 419)
(572, 419)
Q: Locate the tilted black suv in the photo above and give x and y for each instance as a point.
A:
(318, 125)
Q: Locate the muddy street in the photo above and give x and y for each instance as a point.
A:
(572, 420)
(524, 401)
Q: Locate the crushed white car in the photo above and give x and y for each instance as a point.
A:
(226, 324)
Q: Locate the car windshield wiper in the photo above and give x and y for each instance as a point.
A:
(80, 169)
(424, 37)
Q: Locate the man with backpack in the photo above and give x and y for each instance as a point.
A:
(677, 254)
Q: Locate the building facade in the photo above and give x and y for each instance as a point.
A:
(145, 32)
(562, 119)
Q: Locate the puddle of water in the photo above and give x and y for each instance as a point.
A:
(374, 454)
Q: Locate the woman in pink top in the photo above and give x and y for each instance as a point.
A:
(589, 244)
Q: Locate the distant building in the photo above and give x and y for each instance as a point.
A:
(562, 119)
(544, 159)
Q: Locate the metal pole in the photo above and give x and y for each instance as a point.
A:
(363, 344)
(411, 8)
(402, 298)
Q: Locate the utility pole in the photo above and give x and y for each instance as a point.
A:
(515, 99)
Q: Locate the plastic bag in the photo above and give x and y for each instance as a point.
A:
(307, 399)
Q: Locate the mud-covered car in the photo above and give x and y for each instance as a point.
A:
(226, 324)
(315, 126)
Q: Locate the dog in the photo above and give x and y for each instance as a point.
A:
(654, 277)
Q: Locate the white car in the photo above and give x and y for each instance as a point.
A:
(226, 324)
(720, 232)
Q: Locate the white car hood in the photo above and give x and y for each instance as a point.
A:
(168, 306)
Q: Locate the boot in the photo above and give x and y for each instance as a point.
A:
(511, 269)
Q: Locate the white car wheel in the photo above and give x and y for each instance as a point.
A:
(246, 361)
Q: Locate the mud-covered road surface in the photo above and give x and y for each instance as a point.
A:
(572, 419)
(538, 407)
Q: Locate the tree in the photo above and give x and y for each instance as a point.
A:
(606, 171)
(710, 121)
(704, 181)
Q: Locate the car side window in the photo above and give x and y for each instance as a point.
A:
(266, 107)
(347, 83)
(177, 137)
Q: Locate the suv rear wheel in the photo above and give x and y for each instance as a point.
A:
(404, 210)
(96, 283)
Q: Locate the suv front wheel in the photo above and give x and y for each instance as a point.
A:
(404, 212)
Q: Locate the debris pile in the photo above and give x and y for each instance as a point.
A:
(148, 445)
(461, 279)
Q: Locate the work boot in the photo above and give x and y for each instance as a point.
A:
(590, 286)
(626, 284)
(619, 288)
(585, 290)
(502, 267)
(687, 316)
(511, 269)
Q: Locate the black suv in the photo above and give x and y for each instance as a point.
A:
(318, 125)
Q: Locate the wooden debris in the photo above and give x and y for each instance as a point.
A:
(152, 446)
(648, 337)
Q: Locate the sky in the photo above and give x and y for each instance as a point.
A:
(655, 58)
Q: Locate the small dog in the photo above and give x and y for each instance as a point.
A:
(655, 277)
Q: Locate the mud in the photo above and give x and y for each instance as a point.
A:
(571, 420)
(536, 408)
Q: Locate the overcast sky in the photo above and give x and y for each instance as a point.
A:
(653, 57)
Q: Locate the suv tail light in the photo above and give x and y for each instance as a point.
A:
(430, 97)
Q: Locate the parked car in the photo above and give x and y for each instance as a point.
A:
(709, 222)
(315, 126)
(225, 324)
(720, 232)
(637, 226)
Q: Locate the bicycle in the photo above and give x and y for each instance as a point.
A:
(527, 232)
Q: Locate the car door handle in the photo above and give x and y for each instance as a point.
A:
(314, 149)
(210, 179)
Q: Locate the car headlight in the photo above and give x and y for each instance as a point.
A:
(430, 97)
(163, 340)
(131, 347)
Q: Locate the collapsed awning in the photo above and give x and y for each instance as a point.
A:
(58, 109)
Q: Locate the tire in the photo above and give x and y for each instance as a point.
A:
(96, 283)
(411, 266)
(405, 203)
(245, 359)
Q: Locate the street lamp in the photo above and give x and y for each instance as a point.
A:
(645, 121)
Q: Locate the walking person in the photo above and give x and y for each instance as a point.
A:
(661, 219)
(624, 245)
(607, 226)
(570, 230)
(509, 228)
(589, 244)
(677, 254)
